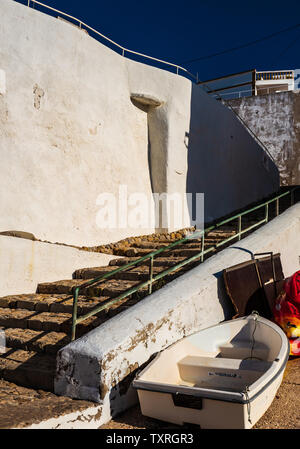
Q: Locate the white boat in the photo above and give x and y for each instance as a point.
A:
(222, 377)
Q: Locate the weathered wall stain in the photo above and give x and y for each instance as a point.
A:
(116, 377)
(142, 336)
(275, 119)
(38, 95)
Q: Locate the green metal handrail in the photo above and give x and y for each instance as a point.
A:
(153, 254)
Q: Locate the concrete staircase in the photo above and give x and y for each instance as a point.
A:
(38, 325)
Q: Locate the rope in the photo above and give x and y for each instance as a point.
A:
(256, 315)
(253, 339)
(246, 390)
(248, 403)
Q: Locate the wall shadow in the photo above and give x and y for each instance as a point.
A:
(223, 160)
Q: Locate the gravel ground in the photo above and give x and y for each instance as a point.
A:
(284, 412)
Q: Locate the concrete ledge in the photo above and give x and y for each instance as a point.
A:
(97, 367)
(25, 263)
(89, 418)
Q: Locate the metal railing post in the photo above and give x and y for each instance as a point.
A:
(74, 313)
(267, 212)
(240, 227)
(150, 275)
(292, 197)
(277, 207)
(202, 247)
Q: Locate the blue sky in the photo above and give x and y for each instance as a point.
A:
(186, 30)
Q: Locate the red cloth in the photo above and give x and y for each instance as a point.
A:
(287, 312)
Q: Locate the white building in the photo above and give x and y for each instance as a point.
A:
(274, 81)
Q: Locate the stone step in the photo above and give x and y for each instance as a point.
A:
(213, 241)
(189, 244)
(48, 332)
(221, 233)
(144, 248)
(14, 317)
(28, 368)
(158, 261)
(190, 252)
(140, 252)
(43, 321)
(181, 252)
(21, 407)
(38, 341)
(140, 273)
(218, 233)
(111, 288)
(136, 252)
(150, 245)
(50, 303)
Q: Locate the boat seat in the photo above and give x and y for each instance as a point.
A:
(241, 348)
(192, 368)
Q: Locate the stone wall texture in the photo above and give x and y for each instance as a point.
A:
(275, 119)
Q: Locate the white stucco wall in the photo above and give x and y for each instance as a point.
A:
(2, 82)
(69, 132)
(93, 366)
(24, 263)
(296, 79)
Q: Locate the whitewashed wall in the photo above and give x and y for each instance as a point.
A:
(69, 131)
(25, 263)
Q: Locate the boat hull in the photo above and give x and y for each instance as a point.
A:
(214, 414)
(224, 400)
